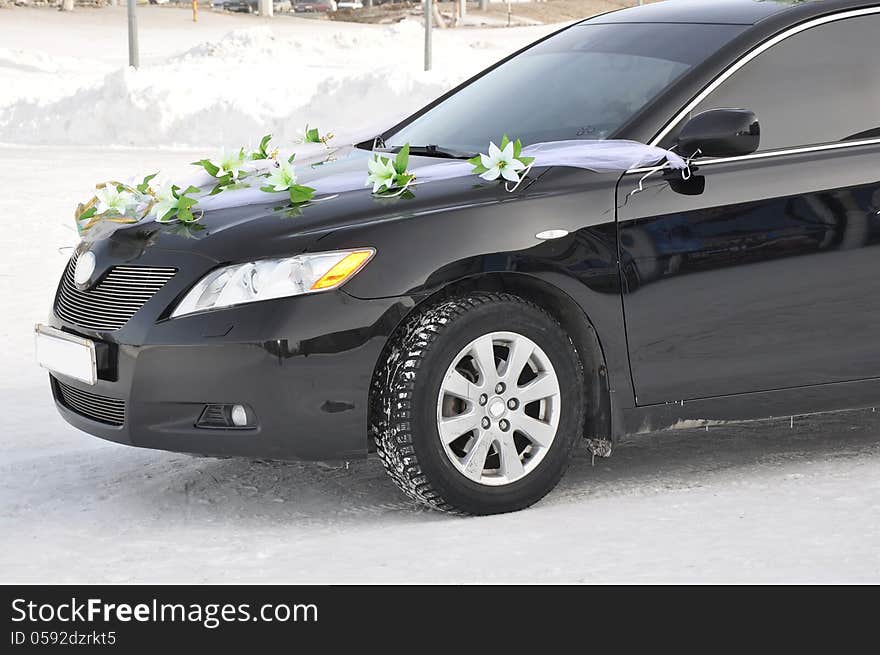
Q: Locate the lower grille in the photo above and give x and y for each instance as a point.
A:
(98, 408)
(214, 416)
(114, 300)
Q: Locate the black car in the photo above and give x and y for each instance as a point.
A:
(471, 336)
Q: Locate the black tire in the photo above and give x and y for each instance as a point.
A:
(405, 400)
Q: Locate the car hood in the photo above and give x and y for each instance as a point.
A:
(275, 228)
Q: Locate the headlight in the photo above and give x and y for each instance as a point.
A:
(273, 278)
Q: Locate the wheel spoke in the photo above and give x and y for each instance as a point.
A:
(511, 464)
(458, 385)
(543, 386)
(539, 432)
(452, 427)
(475, 461)
(520, 351)
(483, 353)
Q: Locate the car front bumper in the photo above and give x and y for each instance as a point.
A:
(303, 366)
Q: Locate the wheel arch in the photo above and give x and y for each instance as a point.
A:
(573, 319)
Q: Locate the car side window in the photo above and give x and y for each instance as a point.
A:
(817, 87)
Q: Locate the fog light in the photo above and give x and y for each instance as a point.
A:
(239, 416)
(228, 417)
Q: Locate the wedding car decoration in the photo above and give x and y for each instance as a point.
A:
(387, 175)
(283, 178)
(113, 205)
(238, 177)
(175, 204)
(313, 135)
(504, 161)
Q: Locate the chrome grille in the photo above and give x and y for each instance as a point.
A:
(114, 300)
(98, 408)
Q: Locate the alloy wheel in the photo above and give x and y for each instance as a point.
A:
(498, 408)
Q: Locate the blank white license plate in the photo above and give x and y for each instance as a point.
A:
(66, 354)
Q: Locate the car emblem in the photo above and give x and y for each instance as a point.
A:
(85, 266)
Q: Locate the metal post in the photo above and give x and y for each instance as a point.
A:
(428, 18)
(195, 11)
(133, 57)
(508, 13)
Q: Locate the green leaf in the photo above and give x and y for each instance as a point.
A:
(401, 161)
(223, 183)
(291, 158)
(299, 193)
(191, 189)
(211, 169)
(144, 186)
(264, 145)
(475, 161)
(268, 189)
(312, 135)
(526, 160)
(517, 148)
(504, 142)
(91, 211)
(184, 209)
(479, 169)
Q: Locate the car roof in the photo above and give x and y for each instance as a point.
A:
(730, 12)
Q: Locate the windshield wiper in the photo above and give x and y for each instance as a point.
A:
(432, 151)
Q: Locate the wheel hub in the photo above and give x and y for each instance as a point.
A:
(498, 408)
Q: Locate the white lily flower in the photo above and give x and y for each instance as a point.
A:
(230, 162)
(382, 173)
(111, 199)
(282, 177)
(165, 201)
(501, 163)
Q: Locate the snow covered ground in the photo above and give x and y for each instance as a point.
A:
(759, 502)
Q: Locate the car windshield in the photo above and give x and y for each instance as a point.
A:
(584, 83)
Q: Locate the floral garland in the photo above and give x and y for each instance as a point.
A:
(120, 203)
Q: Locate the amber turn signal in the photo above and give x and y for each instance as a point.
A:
(343, 269)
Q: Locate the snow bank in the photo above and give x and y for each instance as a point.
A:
(249, 82)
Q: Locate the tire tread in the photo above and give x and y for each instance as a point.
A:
(393, 389)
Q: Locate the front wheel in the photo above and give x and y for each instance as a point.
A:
(479, 404)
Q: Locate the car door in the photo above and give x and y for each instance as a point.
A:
(762, 272)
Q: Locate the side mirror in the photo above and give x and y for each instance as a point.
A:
(720, 133)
